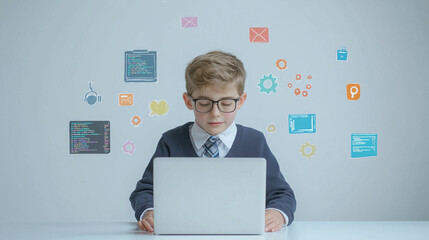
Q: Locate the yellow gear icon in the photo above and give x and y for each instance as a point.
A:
(308, 155)
(271, 128)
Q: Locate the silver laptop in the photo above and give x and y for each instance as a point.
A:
(209, 195)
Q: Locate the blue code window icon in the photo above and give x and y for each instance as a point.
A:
(302, 123)
(364, 145)
(140, 66)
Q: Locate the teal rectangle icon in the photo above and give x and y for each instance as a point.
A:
(364, 145)
(302, 123)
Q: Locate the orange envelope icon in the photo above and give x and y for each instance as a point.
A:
(126, 99)
(353, 91)
(258, 34)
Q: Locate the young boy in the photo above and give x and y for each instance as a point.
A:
(215, 92)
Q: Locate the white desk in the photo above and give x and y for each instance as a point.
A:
(298, 230)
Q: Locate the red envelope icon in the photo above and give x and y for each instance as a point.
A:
(258, 34)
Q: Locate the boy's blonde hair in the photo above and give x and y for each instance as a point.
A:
(212, 68)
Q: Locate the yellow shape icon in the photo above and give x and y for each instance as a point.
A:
(158, 107)
(308, 145)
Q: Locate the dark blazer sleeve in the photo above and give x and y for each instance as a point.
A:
(279, 194)
(142, 197)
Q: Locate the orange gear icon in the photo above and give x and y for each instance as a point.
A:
(136, 120)
(281, 61)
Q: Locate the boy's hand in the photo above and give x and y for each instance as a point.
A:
(146, 224)
(274, 220)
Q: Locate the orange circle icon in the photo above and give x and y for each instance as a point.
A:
(309, 77)
(136, 120)
(281, 64)
(297, 91)
(308, 86)
(289, 85)
(304, 93)
(298, 76)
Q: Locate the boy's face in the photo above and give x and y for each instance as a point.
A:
(215, 121)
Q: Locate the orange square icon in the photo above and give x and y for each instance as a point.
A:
(353, 91)
(258, 34)
(126, 99)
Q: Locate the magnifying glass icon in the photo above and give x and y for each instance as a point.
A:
(354, 92)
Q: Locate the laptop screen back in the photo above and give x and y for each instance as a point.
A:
(209, 195)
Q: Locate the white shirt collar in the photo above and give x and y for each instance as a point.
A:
(200, 136)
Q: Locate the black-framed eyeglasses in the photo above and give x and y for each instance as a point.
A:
(226, 105)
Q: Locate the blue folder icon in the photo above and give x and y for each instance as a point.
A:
(302, 123)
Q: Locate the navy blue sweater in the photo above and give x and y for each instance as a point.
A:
(248, 143)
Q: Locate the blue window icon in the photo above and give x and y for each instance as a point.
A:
(302, 123)
(364, 145)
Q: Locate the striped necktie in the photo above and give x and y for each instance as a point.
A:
(210, 147)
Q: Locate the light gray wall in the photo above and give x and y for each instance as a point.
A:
(51, 49)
